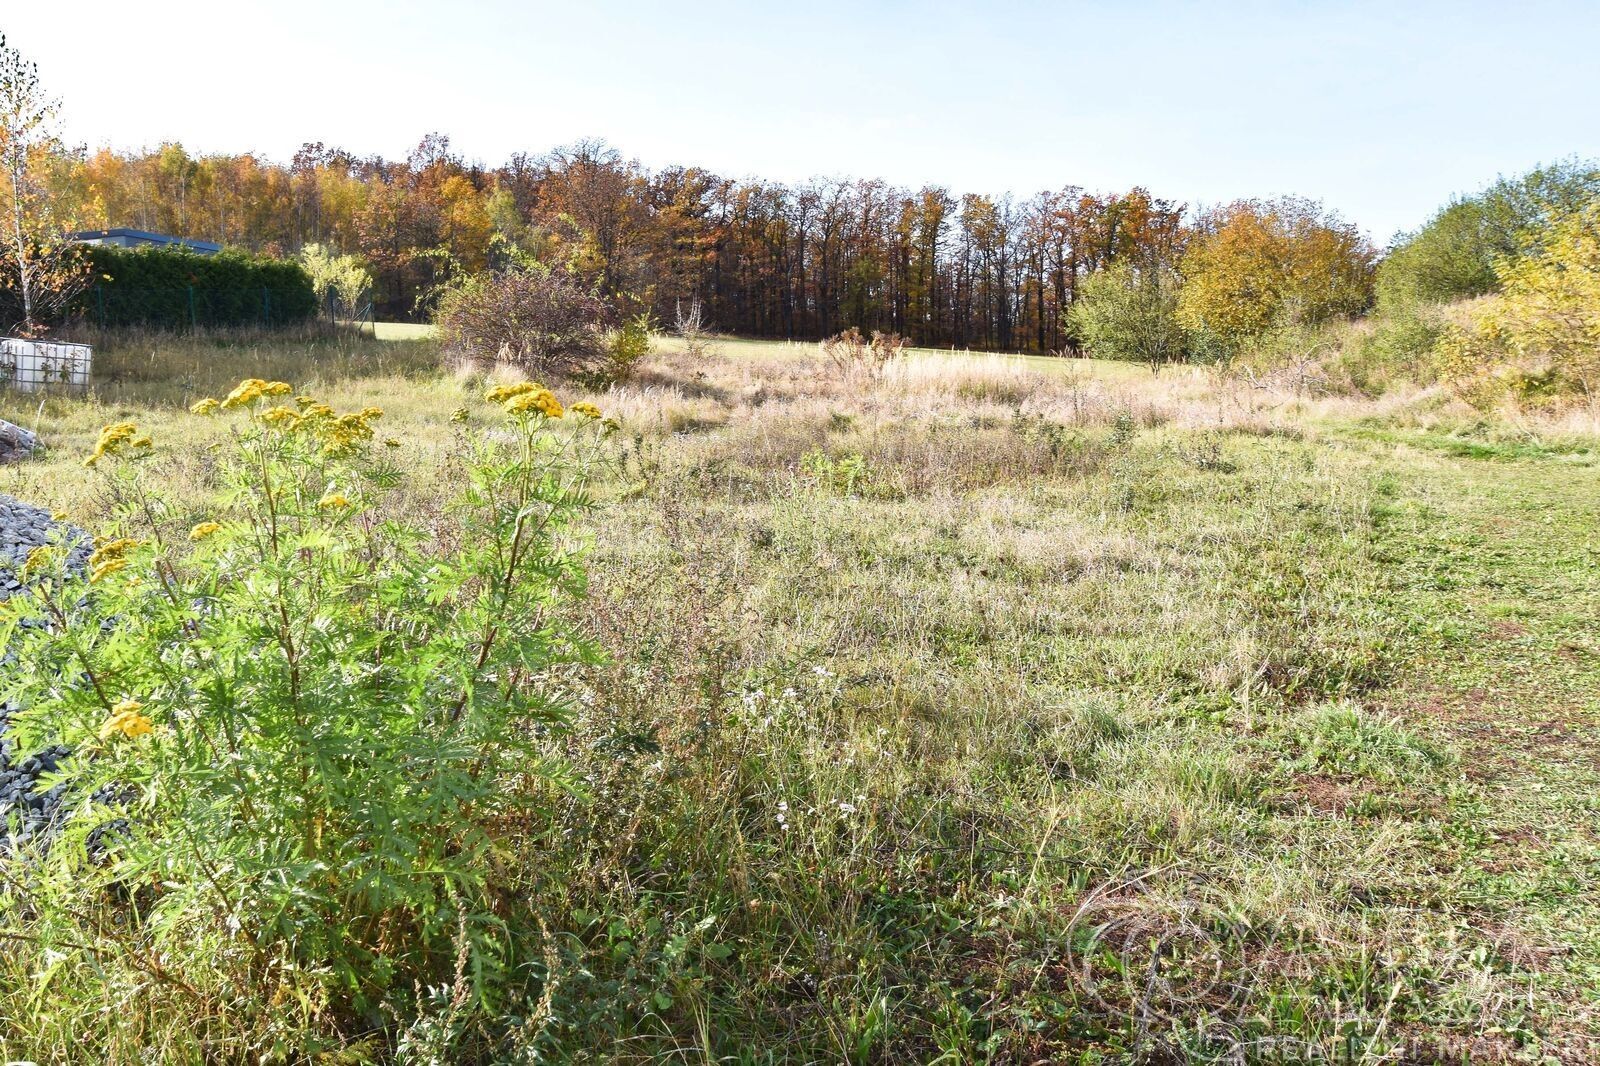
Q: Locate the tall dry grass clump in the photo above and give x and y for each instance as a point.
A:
(997, 379)
(857, 357)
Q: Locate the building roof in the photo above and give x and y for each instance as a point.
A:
(208, 247)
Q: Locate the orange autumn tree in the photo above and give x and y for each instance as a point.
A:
(1255, 265)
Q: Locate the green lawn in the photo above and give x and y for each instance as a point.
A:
(403, 331)
(1319, 711)
(1495, 561)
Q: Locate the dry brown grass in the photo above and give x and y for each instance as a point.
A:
(673, 393)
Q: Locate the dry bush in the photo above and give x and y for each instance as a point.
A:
(855, 356)
(690, 323)
(539, 320)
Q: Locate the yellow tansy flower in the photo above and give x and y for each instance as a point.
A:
(204, 407)
(112, 549)
(126, 719)
(113, 439)
(106, 569)
(279, 415)
(502, 393)
(588, 410)
(333, 501)
(245, 393)
(542, 401)
(203, 530)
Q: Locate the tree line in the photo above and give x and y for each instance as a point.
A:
(763, 258)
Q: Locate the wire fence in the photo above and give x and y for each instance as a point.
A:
(354, 311)
(197, 307)
(192, 307)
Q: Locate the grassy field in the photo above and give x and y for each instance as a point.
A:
(744, 348)
(740, 348)
(1000, 710)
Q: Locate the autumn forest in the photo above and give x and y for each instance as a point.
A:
(766, 259)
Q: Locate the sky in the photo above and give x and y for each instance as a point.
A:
(1381, 110)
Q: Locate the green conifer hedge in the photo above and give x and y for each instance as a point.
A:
(168, 288)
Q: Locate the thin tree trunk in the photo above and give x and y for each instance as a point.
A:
(21, 243)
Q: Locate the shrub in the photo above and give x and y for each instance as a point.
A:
(1397, 346)
(538, 319)
(1468, 355)
(1404, 341)
(340, 279)
(1126, 314)
(690, 324)
(628, 343)
(1463, 250)
(318, 718)
(1551, 308)
(1347, 357)
(1292, 356)
(1450, 258)
(172, 288)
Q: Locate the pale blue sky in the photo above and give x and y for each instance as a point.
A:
(1381, 110)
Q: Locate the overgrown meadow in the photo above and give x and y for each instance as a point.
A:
(977, 709)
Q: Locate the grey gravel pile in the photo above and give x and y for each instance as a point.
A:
(24, 527)
(27, 811)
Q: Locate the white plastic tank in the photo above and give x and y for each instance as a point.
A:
(29, 366)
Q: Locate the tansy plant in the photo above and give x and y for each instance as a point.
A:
(319, 721)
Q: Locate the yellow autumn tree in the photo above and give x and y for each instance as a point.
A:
(1550, 311)
(1255, 265)
(466, 223)
(41, 268)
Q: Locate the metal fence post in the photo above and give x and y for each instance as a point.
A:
(192, 323)
(266, 306)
